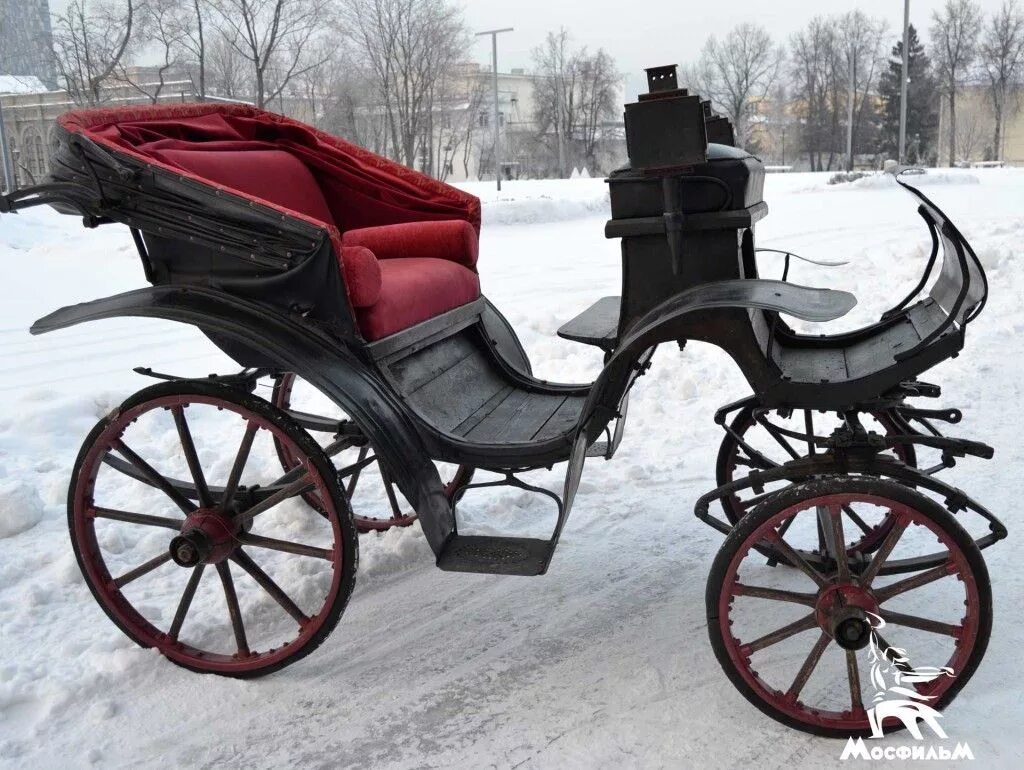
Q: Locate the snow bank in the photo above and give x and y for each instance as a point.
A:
(540, 201)
(21, 507)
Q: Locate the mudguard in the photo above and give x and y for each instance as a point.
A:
(689, 315)
(299, 346)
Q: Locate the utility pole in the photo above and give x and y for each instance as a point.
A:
(494, 83)
(6, 162)
(903, 84)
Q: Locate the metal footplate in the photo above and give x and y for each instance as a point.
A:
(524, 556)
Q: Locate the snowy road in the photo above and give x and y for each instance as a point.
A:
(605, 661)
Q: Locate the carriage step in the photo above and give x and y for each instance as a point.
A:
(597, 449)
(597, 325)
(492, 555)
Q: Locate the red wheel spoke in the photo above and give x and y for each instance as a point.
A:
(838, 543)
(797, 560)
(142, 569)
(921, 624)
(869, 574)
(775, 594)
(154, 478)
(299, 549)
(799, 626)
(884, 593)
(239, 465)
(234, 611)
(186, 601)
(853, 677)
(297, 487)
(189, 448)
(808, 667)
(267, 584)
(138, 518)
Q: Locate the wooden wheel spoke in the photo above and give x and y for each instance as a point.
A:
(189, 448)
(153, 477)
(856, 519)
(898, 528)
(298, 549)
(138, 518)
(808, 667)
(804, 624)
(921, 624)
(241, 457)
(838, 543)
(354, 470)
(297, 487)
(775, 594)
(797, 560)
(234, 611)
(885, 647)
(267, 584)
(853, 677)
(186, 600)
(389, 488)
(142, 569)
(884, 593)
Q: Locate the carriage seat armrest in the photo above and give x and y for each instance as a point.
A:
(454, 240)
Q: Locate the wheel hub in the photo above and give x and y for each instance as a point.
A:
(842, 612)
(207, 537)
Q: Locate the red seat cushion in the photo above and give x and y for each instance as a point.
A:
(453, 239)
(413, 290)
(274, 176)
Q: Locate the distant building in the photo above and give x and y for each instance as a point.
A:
(26, 40)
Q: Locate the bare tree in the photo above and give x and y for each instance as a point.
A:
(954, 33)
(409, 47)
(575, 94)
(158, 30)
(227, 72)
(860, 40)
(90, 42)
(973, 128)
(737, 72)
(819, 78)
(274, 38)
(1002, 59)
(191, 26)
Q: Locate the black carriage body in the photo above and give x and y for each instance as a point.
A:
(457, 386)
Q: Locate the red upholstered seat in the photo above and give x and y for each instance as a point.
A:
(396, 275)
(413, 289)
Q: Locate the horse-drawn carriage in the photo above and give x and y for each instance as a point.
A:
(329, 271)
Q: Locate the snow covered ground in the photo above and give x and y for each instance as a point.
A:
(605, 661)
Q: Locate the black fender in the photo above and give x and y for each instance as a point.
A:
(300, 346)
(713, 312)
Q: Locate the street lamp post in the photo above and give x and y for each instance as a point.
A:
(903, 84)
(494, 83)
(6, 164)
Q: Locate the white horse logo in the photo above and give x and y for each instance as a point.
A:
(895, 700)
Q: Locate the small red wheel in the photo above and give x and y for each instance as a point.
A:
(204, 555)
(798, 644)
(379, 492)
(735, 461)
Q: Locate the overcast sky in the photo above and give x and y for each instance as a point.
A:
(644, 33)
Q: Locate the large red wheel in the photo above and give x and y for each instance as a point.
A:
(194, 543)
(379, 505)
(815, 649)
(771, 450)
